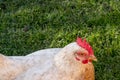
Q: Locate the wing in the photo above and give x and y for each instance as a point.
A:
(35, 58)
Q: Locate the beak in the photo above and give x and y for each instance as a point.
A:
(92, 58)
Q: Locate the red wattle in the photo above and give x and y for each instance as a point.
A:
(85, 61)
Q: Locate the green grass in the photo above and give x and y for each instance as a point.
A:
(30, 25)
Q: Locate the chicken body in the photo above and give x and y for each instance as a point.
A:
(62, 66)
(48, 64)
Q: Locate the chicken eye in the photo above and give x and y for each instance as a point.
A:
(82, 54)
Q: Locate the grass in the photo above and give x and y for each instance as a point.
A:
(27, 26)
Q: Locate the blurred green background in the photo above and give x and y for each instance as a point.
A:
(30, 25)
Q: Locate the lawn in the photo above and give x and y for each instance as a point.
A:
(30, 25)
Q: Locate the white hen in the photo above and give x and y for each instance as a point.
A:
(71, 63)
(68, 63)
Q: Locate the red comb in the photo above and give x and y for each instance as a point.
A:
(85, 45)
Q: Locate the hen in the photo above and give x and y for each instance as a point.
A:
(73, 62)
